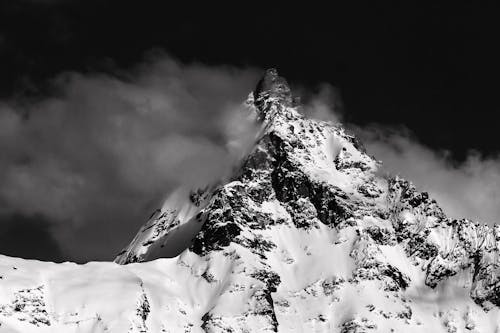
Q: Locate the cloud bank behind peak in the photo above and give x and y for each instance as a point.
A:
(467, 189)
(89, 162)
(93, 157)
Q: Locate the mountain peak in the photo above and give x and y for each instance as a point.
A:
(307, 226)
(304, 236)
(272, 88)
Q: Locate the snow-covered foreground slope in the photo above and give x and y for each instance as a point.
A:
(305, 237)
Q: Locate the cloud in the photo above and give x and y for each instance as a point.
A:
(468, 189)
(323, 103)
(99, 154)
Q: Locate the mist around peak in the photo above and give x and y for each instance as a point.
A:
(99, 153)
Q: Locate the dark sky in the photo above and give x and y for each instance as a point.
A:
(432, 68)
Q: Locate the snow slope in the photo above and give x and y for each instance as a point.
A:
(305, 237)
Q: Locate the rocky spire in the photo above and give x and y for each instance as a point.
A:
(271, 89)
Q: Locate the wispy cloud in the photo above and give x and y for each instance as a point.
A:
(469, 189)
(95, 156)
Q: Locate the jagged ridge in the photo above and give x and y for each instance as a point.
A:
(382, 213)
(305, 236)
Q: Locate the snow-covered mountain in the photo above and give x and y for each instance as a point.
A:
(306, 236)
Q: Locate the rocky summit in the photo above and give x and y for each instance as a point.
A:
(305, 236)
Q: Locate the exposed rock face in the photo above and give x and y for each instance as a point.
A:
(272, 88)
(307, 237)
